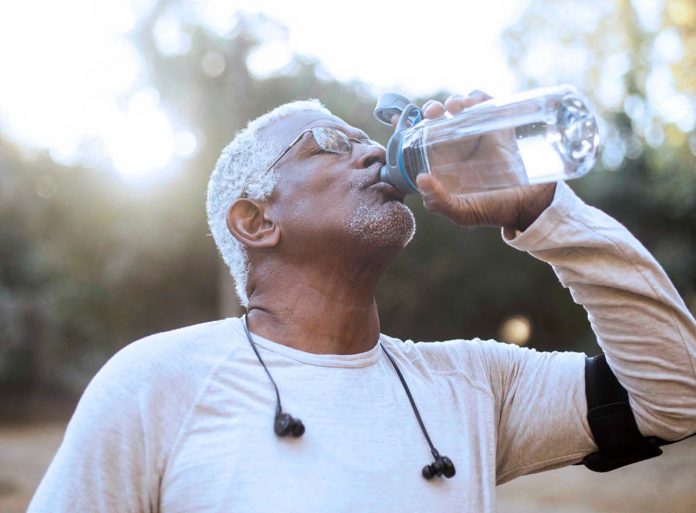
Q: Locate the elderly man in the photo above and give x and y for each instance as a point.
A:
(192, 420)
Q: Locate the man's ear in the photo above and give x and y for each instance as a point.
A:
(251, 224)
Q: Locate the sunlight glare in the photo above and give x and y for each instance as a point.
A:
(457, 50)
(73, 80)
(269, 58)
(185, 144)
(170, 38)
(142, 140)
(66, 83)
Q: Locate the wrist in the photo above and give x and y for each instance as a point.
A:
(533, 205)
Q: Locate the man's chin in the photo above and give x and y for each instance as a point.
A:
(390, 225)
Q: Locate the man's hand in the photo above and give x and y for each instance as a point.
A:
(514, 208)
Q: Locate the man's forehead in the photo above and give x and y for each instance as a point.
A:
(286, 129)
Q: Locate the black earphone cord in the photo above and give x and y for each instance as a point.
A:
(279, 407)
(436, 454)
(286, 425)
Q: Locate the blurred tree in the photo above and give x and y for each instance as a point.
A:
(681, 17)
(89, 264)
(210, 87)
(635, 62)
(454, 298)
(81, 259)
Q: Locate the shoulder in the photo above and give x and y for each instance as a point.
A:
(141, 396)
(481, 360)
(183, 355)
(129, 417)
(473, 358)
(451, 353)
(156, 378)
(503, 369)
(199, 344)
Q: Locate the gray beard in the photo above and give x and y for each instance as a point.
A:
(391, 224)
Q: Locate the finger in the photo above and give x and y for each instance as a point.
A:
(477, 93)
(433, 109)
(425, 183)
(395, 119)
(435, 196)
(459, 209)
(456, 103)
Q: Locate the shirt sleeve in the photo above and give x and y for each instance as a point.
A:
(540, 407)
(640, 322)
(104, 463)
(115, 447)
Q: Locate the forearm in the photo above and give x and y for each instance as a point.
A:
(641, 323)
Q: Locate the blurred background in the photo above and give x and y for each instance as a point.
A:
(113, 113)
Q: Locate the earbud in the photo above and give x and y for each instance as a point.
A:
(286, 425)
(441, 466)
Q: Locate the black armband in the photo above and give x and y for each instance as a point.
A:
(612, 422)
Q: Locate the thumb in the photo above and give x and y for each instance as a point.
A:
(435, 196)
(436, 199)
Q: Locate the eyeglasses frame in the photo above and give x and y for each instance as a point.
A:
(301, 135)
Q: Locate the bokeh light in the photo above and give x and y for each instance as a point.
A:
(516, 330)
(74, 97)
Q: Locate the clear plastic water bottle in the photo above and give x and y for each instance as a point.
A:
(538, 136)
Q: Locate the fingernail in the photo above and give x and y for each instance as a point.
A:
(427, 106)
(423, 183)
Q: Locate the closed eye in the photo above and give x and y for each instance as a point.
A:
(312, 149)
(309, 147)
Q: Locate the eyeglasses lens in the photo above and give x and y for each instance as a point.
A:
(331, 140)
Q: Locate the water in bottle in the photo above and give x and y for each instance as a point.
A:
(539, 136)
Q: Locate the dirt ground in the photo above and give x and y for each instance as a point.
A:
(25, 452)
(666, 484)
(662, 485)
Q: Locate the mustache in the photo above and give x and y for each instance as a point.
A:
(370, 177)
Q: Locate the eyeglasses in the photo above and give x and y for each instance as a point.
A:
(328, 139)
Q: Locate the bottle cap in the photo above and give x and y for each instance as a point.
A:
(388, 105)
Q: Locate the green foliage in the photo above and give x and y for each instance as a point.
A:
(652, 188)
(88, 264)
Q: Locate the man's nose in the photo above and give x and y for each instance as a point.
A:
(370, 154)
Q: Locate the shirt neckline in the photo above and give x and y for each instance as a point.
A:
(364, 359)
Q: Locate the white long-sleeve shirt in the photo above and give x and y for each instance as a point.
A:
(183, 421)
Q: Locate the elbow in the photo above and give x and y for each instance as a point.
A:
(669, 422)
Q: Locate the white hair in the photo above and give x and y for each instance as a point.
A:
(241, 172)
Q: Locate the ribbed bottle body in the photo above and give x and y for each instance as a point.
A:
(540, 136)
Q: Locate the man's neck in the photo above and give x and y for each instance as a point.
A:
(318, 311)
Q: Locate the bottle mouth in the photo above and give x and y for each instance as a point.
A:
(405, 161)
(578, 131)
